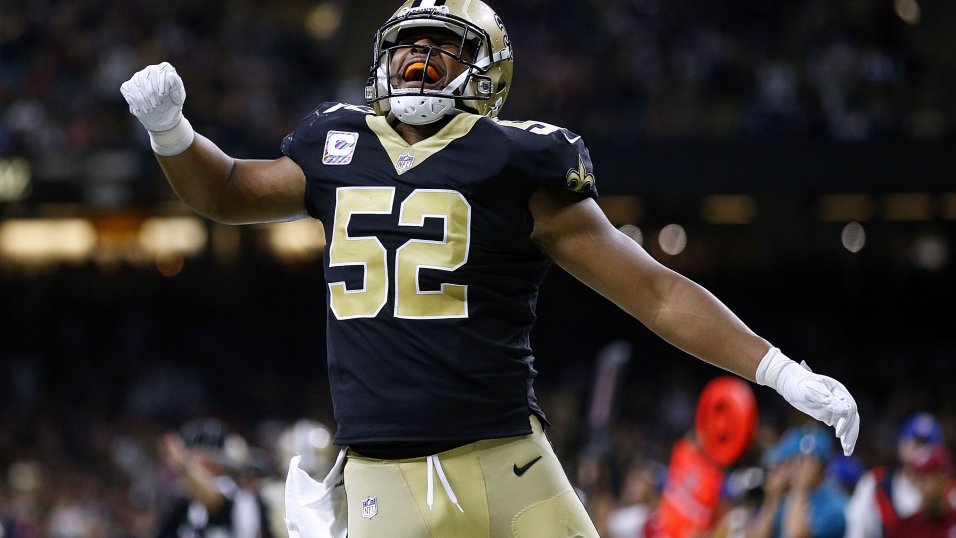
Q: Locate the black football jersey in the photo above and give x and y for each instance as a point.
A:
(432, 279)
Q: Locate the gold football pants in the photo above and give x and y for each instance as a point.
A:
(512, 487)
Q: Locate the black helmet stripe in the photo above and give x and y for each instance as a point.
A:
(428, 3)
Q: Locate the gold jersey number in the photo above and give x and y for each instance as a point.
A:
(448, 254)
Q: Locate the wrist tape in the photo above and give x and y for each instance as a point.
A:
(173, 141)
(771, 365)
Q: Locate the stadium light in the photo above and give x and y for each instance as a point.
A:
(634, 233)
(672, 239)
(846, 207)
(15, 179)
(47, 240)
(728, 209)
(947, 206)
(908, 206)
(169, 235)
(930, 252)
(908, 11)
(296, 241)
(324, 20)
(853, 237)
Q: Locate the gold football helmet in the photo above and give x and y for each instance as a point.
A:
(483, 86)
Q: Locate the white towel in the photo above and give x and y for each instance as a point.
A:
(316, 509)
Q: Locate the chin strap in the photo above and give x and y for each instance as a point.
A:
(421, 109)
(417, 109)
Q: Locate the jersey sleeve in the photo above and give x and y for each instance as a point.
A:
(301, 145)
(304, 131)
(551, 156)
(574, 165)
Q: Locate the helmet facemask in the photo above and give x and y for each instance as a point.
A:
(421, 102)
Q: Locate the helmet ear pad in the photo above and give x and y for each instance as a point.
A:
(483, 86)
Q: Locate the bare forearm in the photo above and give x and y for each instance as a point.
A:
(199, 175)
(236, 191)
(694, 320)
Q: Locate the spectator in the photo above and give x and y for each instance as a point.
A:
(210, 502)
(741, 497)
(845, 472)
(936, 517)
(937, 514)
(885, 495)
(639, 497)
(798, 501)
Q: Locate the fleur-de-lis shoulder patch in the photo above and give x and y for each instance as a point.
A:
(580, 179)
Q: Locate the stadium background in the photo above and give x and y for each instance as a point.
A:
(796, 158)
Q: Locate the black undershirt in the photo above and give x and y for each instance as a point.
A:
(403, 451)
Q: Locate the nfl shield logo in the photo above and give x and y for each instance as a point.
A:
(404, 163)
(369, 507)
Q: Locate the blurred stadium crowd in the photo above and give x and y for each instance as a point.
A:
(645, 69)
(98, 362)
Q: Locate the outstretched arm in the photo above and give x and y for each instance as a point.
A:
(233, 191)
(579, 238)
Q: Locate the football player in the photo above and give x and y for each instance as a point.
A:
(441, 220)
(205, 455)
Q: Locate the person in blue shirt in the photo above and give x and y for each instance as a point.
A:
(799, 501)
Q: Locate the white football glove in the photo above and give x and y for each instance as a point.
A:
(155, 96)
(819, 396)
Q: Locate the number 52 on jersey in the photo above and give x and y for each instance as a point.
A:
(448, 254)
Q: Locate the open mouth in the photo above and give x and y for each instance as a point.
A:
(419, 71)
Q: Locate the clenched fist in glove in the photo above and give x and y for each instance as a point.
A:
(155, 96)
(819, 396)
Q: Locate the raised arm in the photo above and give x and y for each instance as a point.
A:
(225, 189)
(579, 238)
